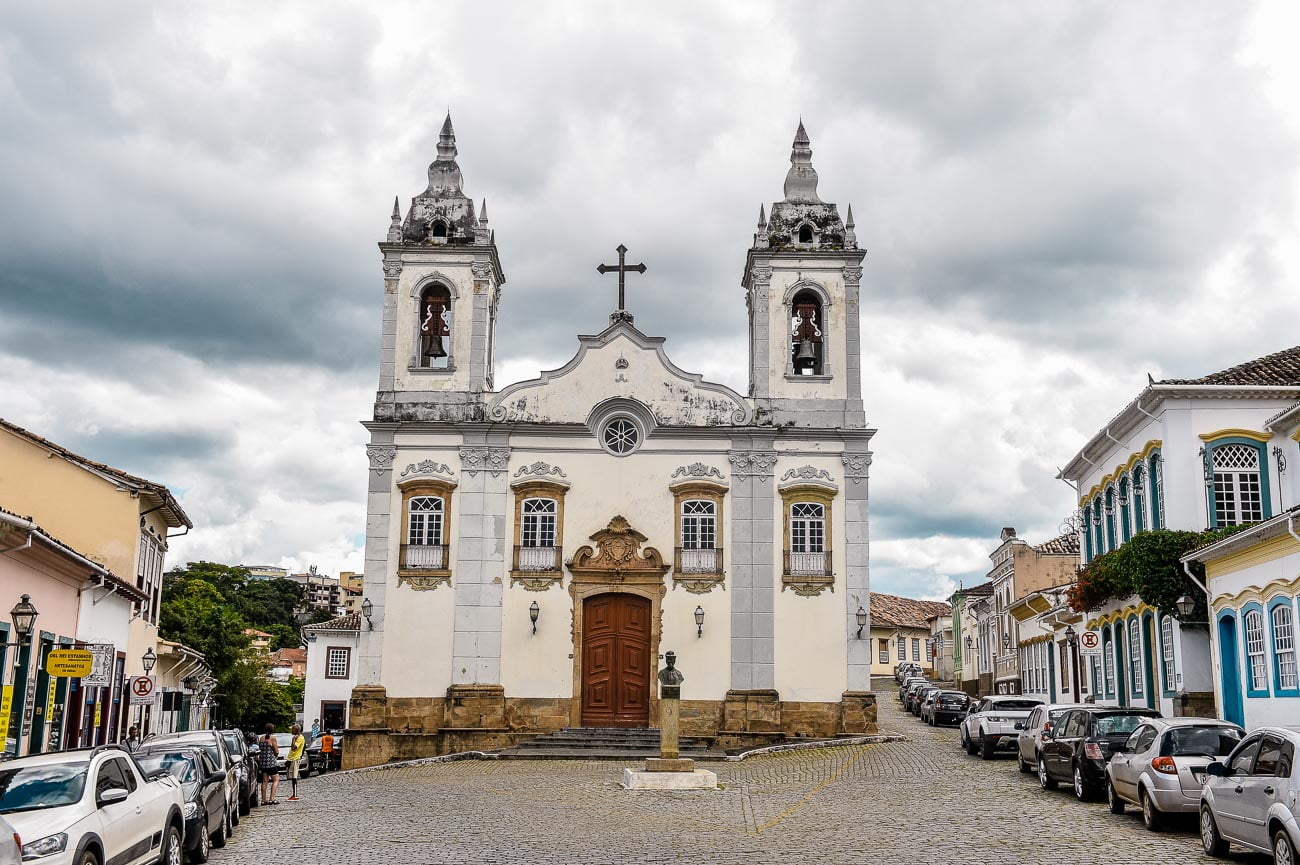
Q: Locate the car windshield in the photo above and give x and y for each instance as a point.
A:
(233, 743)
(1014, 705)
(283, 740)
(27, 788)
(179, 765)
(1117, 725)
(208, 744)
(1209, 741)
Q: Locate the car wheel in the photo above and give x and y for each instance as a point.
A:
(1081, 791)
(1113, 800)
(987, 747)
(1211, 840)
(172, 846)
(1283, 850)
(204, 847)
(219, 837)
(1024, 767)
(254, 798)
(233, 820)
(971, 746)
(88, 857)
(1152, 817)
(1046, 781)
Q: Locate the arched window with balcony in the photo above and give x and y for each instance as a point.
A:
(539, 532)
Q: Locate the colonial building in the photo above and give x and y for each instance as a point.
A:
(533, 550)
(1189, 454)
(1017, 569)
(1253, 582)
(331, 670)
(965, 631)
(902, 630)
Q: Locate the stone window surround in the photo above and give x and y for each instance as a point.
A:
(787, 304)
(812, 493)
(417, 291)
(538, 488)
(704, 490)
(425, 486)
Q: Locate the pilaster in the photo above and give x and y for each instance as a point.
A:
(480, 559)
(752, 569)
(857, 465)
(381, 453)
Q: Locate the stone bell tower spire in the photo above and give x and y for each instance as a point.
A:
(801, 179)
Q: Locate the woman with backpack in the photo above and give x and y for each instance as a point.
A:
(268, 754)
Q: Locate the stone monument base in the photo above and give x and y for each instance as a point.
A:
(699, 779)
(669, 764)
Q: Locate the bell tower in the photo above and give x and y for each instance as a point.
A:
(801, 286)
(442, 285)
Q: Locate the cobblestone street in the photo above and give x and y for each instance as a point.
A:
(923, 800)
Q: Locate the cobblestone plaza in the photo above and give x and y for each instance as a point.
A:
(918, 801)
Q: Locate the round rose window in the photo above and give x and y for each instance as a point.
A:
(621, 436)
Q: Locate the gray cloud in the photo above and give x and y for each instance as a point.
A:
(1054, 201)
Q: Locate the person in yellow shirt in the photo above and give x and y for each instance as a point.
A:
(292, 761)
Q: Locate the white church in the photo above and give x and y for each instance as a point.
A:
(533, 551)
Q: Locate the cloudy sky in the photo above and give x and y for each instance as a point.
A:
(1056, 198)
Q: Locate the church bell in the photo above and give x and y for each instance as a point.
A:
(434, 347)
(805, 355)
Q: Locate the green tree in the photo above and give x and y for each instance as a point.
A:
(247, 699)
(198, 616)
(285, 636)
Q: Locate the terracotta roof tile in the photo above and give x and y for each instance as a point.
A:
(905, 612)
(1280, 368)
(1065, 545)
(348, 622)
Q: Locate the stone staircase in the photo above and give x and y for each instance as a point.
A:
(603, 743)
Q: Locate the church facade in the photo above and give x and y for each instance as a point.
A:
(533, 551)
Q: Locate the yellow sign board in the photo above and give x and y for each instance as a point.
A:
(98, 714)
(69, 663)
(6, 707)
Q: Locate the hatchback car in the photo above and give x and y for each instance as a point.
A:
(1250, 799)
(908, 683)
(991, 723)
(1077, 749)
(948, 706)
(1161, 767)
(909, 697)
(242, 757)
(205, 793)
(1029, 739)
(920, 696)
(214, 743)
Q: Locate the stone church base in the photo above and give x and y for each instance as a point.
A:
(387, 729)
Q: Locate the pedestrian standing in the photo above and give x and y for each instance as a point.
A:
(132, 741)
(315, 729)
(267, 755)
(297, 747)
(327, 749)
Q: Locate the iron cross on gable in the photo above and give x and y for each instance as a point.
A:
(621, 268)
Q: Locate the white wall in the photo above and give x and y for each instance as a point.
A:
(318, 688)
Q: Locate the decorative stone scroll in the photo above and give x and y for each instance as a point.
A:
(852, 275)
(481, 269)
(540, 469)
(807, 587)
(392, 269)
(752, 464)
(700, 584)
(856, 466)
(424, 583)
(490, 460)
(761, 273)
(697, 470)
(618, 557)
(538, 582)
(807, 473)
(381, 457)
(426, 467)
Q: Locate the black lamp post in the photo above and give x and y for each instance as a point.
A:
(534, 610)
(699, 621)
(862, 621)
(24, 618)
(368, 609)
(1072, 640)
(148, 660)
(1186, 606)
(1006, 642)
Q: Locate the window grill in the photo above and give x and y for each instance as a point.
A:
(1135, 657)
(1109, 658)
(537, 527)
(699, 525)
(1284, 647)
(1254, 622)
(807, 528)
(1238, 495)
(424, 526)
(621, 436)
(1167, 649)
(336, 662)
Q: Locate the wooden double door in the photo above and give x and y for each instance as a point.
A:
(616, 661)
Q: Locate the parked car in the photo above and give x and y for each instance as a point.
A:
(909, 682)
(902, 671)
(204, 786)
(1250, 799)
(911, 692)
(244, 760)
(1161, 768)
(282, 741)
(11, 846)
(990, 726)
(67, 805)
(214, 743)
(921, 695)
(1029, 741)
(1077, 749)
(948, 706)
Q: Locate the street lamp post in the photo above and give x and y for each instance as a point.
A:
(24, 616)
(1072, 640)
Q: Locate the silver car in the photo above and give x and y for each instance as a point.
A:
(991, 724)
(1029, 739)
(1161, 767)
(1251, 798)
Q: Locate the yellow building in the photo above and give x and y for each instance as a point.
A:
(116, 520)
(901, 631)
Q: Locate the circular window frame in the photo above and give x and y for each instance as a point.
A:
(628, 424)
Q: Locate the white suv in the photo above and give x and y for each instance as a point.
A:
(92, 807)
(992, 722)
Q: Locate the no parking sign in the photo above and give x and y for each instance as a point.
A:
(141, 690)
(1090, 643)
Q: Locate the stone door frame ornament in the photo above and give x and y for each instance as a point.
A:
(617, 563)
